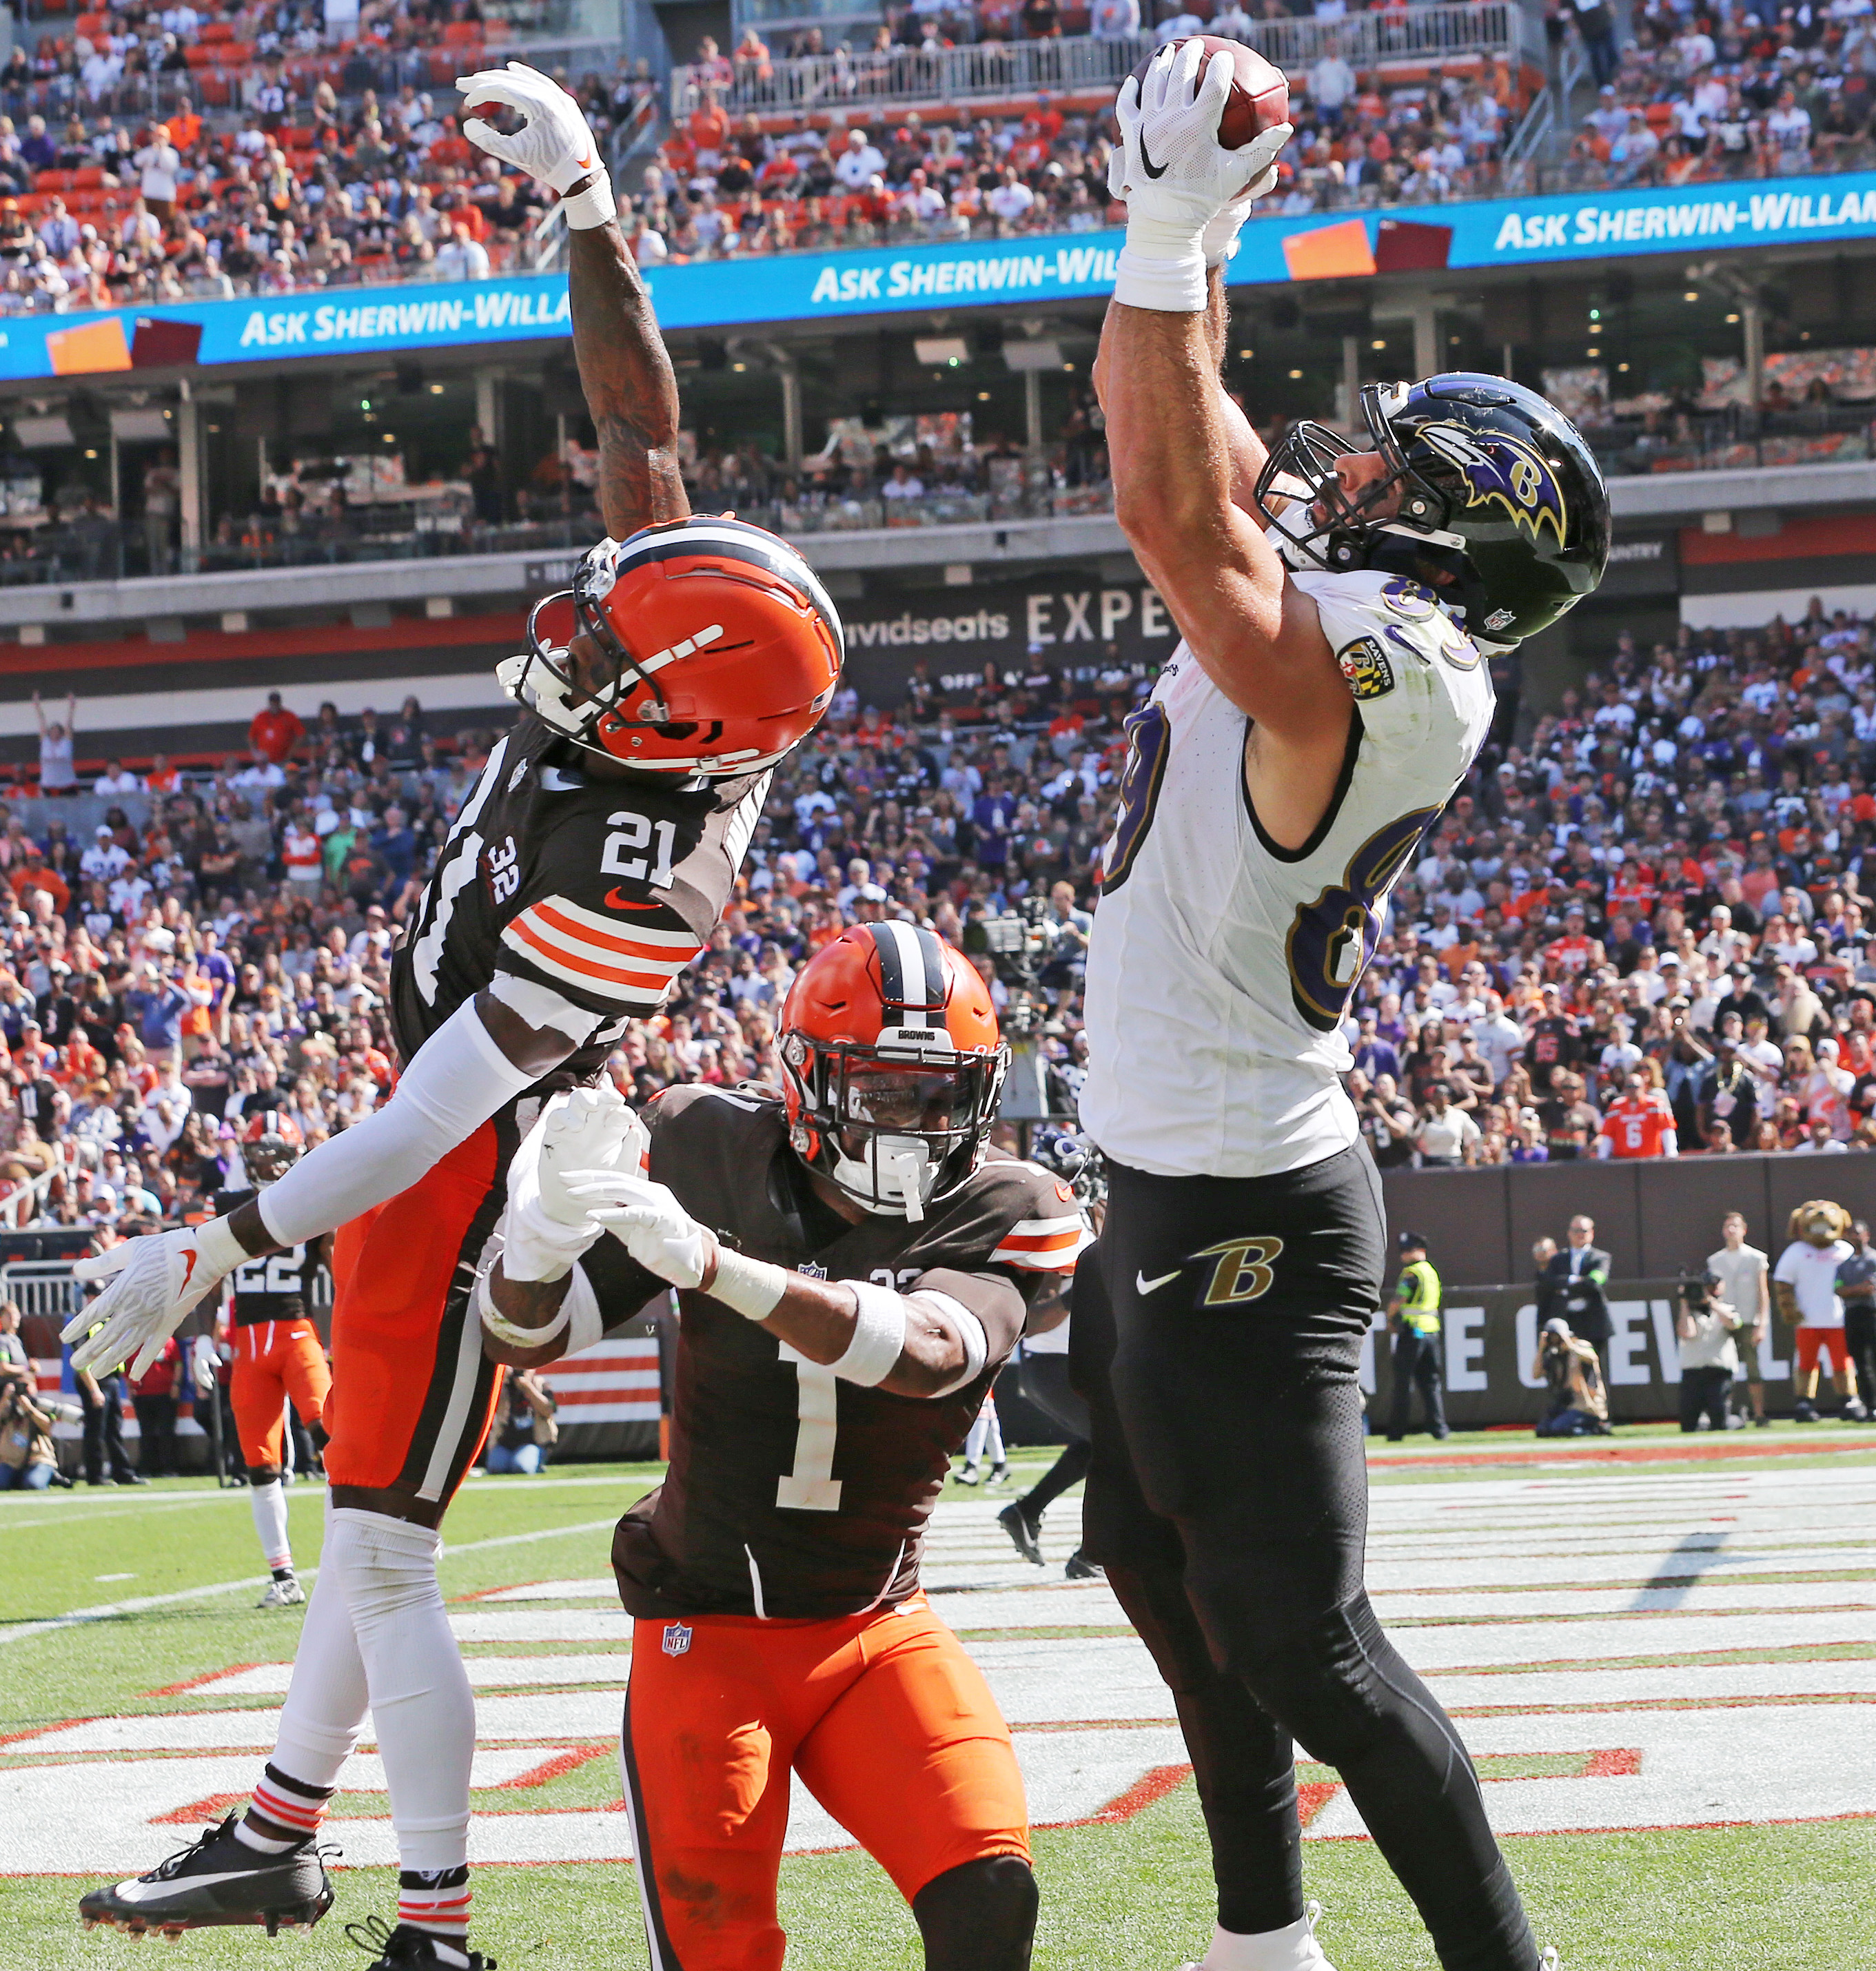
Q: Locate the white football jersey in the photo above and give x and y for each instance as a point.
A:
(1222, 966)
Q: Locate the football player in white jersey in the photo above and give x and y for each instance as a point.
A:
(1337, 604)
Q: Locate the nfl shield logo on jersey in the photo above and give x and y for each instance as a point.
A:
(676, 1639)
(813, 1271)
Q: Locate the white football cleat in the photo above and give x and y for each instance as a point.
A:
(1293, 1948)
(284, 1591)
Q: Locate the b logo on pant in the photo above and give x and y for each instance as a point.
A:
(1243, 1272)
(676, 1639)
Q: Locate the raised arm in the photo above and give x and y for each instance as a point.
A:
(630, 388)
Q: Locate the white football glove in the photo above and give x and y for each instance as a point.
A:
(648, 1221)
(556, 143)
(582, 1129)
(1170, 166)
(156, 1283)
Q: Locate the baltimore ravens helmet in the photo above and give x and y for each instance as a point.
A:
(1496, 490)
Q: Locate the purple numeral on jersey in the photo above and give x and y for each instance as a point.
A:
(1149, 741)
(1333, 938)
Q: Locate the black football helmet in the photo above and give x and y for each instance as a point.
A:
(1073, 1159)
(1497, 489)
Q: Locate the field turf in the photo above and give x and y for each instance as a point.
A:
(1771, 1535)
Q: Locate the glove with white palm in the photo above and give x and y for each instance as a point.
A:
(555, 145)
(582, 1130)
(1186, 194)
(648, 1221)
(156, 1283)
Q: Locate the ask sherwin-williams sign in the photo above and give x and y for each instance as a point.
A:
(1273, 249)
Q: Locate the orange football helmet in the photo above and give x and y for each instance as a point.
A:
(724, 649)
(891, 1066)
(270, 1144)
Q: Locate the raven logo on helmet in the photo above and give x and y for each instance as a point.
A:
(1506, 470)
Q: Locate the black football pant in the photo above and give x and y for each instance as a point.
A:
(104, 1430)
(1044, 1381)
(1416, 1363)
(1229, 1374)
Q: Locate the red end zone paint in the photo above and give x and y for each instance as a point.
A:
(1141, 1794)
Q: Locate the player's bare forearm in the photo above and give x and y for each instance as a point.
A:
(1248, 450)
(631, 389)
(818, 1318)
(1175, 479)
(526, 1303)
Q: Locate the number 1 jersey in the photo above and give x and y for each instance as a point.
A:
(791, 1493)
(1222, 965)
(603, 890)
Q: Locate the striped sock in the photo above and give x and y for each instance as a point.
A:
(288, 1802)
(436, 1901)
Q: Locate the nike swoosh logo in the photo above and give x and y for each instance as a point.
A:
(616, 902)
(1142, 1285)
(1146, 163)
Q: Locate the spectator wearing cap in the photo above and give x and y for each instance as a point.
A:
(1413, 1319)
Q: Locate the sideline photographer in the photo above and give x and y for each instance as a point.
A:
(1706, 1326)
(1577, 1404)
(29, 1460)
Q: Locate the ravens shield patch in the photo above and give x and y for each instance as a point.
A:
(1366, 666)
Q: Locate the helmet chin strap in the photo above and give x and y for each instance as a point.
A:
(894, 1178)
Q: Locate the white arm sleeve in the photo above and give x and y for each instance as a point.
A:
(457, 1080)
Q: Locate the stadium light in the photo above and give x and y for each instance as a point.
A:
(939, 352)
(1042, 353)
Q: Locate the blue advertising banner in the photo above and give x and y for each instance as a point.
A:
(1273, 249)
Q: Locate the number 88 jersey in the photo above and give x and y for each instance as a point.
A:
(601, 890)
(1222, 966)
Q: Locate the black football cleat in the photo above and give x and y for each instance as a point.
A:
(407, 1948)
(1023, 1530)
(217, 1880)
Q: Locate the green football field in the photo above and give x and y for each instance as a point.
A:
(1664, 1659)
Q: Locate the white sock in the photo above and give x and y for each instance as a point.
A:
(974, 1438)
(1293, 1948)
(269, 1504)
(996, 1436)
(422, 1708)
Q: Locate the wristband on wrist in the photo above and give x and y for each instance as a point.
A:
(753, 1287)
(504, 1329)
(585, 209)
(878, 1337)
(1169, 284)
(221, 1251)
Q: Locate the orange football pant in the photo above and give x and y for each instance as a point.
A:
(414, 1394)
(1827, 1342)
(889, 1723)
(274, 1360)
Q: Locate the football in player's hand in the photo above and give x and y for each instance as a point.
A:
(1259, 97)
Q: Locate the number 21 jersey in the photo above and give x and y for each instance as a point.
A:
(602, 890)
(1222, 965)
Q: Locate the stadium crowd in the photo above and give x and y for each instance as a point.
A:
(167, 154)
(1639, 931)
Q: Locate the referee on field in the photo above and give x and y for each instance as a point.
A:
(1413, 1319)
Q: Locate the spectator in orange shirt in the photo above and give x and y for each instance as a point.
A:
(708, 129)
(274, 732)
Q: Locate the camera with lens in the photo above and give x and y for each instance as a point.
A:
(1016, 942)
(1697, 1288)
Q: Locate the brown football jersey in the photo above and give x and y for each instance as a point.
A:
(791, 1492)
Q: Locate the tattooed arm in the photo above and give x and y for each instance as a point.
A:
(631, 390)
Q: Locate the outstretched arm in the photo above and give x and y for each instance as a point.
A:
(626, 375)
(631, 390)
